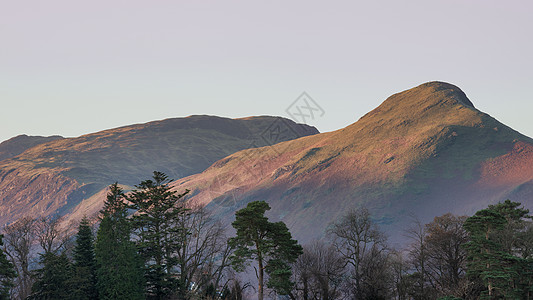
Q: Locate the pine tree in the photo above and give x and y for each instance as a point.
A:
(486, 259)
(158, 235)
(54, 279)
(499, 250)
(7, 273)
(512, 235)
(84, 280)
(269, 244)
(514, 241)
(119, 268)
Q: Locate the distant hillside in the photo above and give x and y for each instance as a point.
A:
(56, 176)
(423, 152)
(21, 143)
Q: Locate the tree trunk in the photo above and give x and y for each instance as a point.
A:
(306, 289)
(260, 279)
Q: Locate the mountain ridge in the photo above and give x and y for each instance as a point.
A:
(423, 152)
(18, 144)
(55, 177)
(400, 158)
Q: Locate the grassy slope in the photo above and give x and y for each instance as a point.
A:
(396, 160)
(74, 169)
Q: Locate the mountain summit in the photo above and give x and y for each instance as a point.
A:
(21, 143)
(430, 92)
(423, 152)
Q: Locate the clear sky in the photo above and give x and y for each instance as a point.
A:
(74, 67)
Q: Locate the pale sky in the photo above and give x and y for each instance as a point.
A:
(75, 67)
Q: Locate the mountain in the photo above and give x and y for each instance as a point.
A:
(21, 143)
(56, 176)
(421, 153)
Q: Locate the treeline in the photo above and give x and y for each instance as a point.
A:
(149, 244)
(485, 256)
(152, 244)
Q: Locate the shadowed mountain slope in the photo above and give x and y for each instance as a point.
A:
(57, 176)
(423, 152)
(21, 143)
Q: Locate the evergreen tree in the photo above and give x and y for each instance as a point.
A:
(499, 250)
(486, 259)
(515, 243)
(119, 268)
(158, 235)
(513, 234)
(7, 273)
(269, 244)
(84, 279)
(53, 280)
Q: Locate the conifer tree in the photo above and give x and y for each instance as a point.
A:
(486, 259)
(119, 268)
(512, 235)
(7, 273)
(499, 250)
(269, 244)
(54, 279)
(514, 241)
(158, 235)
(84, 279)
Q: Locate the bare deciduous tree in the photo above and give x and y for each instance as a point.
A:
(420, 287)
(318, 272)
(203, 254)
(438, 257)
(50, 235)
(445, 240)
(358, 240)
(19, 240)
(399, 267)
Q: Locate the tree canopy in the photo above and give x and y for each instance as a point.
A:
(269, 244)
(494, 250)
(119, 267)
(157, 210)
(84, 263)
